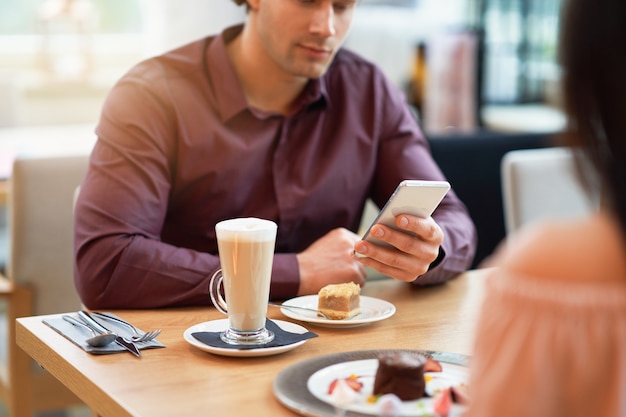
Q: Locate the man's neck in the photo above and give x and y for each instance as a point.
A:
(264, 84)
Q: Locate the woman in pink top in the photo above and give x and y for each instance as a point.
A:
(551, 339)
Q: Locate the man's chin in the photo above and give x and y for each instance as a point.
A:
(315, 72)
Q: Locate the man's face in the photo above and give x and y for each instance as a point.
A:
(301, 37)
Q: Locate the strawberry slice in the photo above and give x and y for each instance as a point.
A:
(352, 382)
(432, 365)
(443, 403)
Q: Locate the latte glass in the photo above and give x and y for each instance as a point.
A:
(246, 252)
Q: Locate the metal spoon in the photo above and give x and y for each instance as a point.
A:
(98, 340)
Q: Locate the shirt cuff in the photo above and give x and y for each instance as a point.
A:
(285, 276)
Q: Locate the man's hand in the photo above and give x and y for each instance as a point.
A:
(330, 261)
(411, 253)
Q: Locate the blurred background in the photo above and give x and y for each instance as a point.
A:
(466, 66)
(58, 58)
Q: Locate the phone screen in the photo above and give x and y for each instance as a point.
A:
(415, 197)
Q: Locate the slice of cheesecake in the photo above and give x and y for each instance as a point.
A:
(340, 301)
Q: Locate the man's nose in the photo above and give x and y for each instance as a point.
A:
(323, 20)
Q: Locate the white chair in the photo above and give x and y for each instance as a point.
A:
(540, 184)
(39, 273)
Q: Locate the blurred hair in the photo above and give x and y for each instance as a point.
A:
(240, 2)
(593, 59)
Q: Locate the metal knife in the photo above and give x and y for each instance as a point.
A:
(129, 346)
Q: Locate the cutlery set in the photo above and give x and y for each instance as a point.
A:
(103, 336)
(98, 339)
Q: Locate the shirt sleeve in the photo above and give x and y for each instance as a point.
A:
(121, 259)
(549, 349)
(285, 276)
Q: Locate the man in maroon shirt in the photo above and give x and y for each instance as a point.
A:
(270, 119)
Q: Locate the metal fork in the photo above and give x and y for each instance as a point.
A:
(137, 336)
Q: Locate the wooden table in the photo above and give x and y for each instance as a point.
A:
(184, 380)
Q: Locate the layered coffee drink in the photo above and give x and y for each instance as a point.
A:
(246, 252)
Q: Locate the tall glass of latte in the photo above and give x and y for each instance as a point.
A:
(246, 252)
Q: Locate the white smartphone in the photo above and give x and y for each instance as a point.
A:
(416, 197)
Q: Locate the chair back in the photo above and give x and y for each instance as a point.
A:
(42, 229)
(472, 165)
(540, 184)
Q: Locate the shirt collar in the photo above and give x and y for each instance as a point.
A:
(228, 92)
(315, 91)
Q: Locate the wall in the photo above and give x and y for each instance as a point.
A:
(386, 35)
(170, 23)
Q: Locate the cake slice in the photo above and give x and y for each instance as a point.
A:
(340, 301)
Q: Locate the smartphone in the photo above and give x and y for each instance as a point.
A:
(416, 197)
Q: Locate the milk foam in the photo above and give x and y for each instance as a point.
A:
(254, 229)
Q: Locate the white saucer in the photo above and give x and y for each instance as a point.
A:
(221, 325)
(372, 310)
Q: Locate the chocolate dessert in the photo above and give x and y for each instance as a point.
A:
(402, 374)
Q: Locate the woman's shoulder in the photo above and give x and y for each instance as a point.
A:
(585, 249)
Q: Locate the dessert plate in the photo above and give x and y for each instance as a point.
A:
(221, 325)
(372, 310)
(294, 385)
(365, 371)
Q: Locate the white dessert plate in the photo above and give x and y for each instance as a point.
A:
(221, 325)
(372, 310)
(303, 386)
(365, 371)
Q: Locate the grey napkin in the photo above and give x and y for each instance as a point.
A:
(78, 335)
(281, 338)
